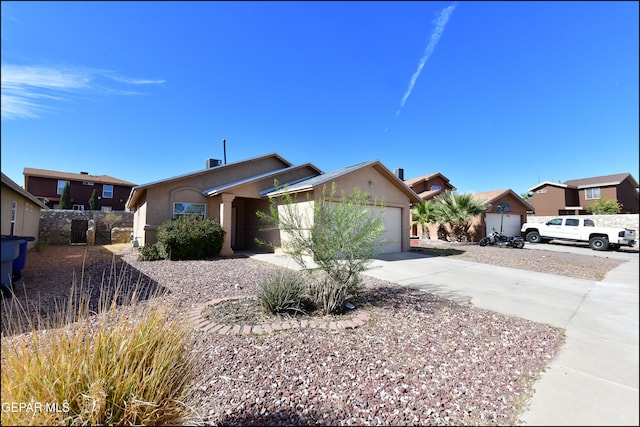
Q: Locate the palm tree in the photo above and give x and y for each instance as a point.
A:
(424, 213)
(458, 210)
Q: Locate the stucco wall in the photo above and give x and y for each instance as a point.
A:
(27, 220)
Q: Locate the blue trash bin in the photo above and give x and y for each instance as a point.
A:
(19, 262)
(10, 251)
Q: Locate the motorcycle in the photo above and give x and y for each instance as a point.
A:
(497, 238)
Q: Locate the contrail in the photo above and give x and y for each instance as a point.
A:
(440, 24)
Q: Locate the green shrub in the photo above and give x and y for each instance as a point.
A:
(190, 237)
(113, 367)
(283, 293)
(604, 207)
(149, 252)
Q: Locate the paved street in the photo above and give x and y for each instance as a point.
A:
(625, 253)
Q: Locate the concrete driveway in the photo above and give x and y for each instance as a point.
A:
(594, 379)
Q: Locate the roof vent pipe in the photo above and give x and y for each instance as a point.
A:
(399, 172)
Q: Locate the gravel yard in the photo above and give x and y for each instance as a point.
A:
(419, 360)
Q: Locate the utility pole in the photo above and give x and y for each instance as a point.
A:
(224, 146)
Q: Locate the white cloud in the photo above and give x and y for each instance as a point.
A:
(28, 91)
(440, 24)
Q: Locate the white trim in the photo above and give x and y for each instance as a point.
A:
(599, 184)
(542, 184)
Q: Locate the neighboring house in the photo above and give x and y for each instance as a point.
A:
(430, 186)
(427, 187)
(574, 196)
(20, 211)
(47, 186)
(234, 192)
(507, 212)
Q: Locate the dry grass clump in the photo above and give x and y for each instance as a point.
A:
(113, 366)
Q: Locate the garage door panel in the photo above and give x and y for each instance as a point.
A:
(510, 223)
(392, 235)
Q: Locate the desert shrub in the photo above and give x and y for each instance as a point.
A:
(190, 237)
(329, 295)
(283, 293)
(149, 252)
(110, 367)
(341, 238)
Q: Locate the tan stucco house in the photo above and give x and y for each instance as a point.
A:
(233, 193)
(20, 211)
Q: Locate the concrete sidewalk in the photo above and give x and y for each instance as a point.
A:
(594, 380)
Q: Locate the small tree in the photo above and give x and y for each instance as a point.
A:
(65, 198)
(94, 205)
(605, 207)
(424, 213)
(458, 210)
(342, 237)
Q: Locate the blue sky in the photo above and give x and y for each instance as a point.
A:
(493, 95)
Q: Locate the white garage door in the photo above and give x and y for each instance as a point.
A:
(392, 218)
(510, 223)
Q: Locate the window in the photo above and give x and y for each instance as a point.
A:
(87, 183)
(592, 193)
(14, 208)
(78, 207)
(107, 191)
(436, 187)
(555, 221)
(180, 208)
(589, 223)
(61, 185)
(572, 222)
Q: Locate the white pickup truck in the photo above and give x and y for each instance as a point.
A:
(579, 230)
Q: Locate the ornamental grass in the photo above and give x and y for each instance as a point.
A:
(125, 363)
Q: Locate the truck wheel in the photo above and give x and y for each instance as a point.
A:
(534, 237)
(599, 243)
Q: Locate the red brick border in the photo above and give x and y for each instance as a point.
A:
(206, 325)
